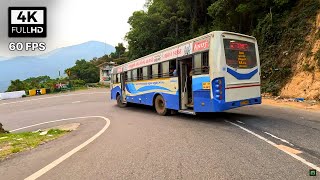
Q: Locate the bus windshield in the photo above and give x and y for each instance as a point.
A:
(240, 54)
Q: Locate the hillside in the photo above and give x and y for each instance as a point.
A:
(305, 81)
(51, 63)
(287, 32)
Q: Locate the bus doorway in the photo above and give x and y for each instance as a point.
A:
(185, 83)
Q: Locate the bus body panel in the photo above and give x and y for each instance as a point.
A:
(144, 92)
(241, 83)
(116, 89)
(201, 93)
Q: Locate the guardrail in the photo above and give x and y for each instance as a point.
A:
(12, 95)
(34, 92)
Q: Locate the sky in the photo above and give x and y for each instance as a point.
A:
(73, 22)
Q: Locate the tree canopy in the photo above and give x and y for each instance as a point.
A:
(85, 71)
(278, 25)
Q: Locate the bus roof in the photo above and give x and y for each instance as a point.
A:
(173, 51)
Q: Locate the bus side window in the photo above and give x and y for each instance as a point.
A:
(159, 70)
(125, 76)
(155, 71)
(173, 68)
(149, 72)
(201, 63)
(134, 75)
(118, 78)
(197, 64)
(205, 63)
(115, 78)
(129, 76)
(145, 73)
(140, 74)
(165, 69)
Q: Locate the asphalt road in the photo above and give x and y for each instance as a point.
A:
(257, 142)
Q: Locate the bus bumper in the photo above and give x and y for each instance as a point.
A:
(212, 105)
(223, 106)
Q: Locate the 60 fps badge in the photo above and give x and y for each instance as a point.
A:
(27, 21)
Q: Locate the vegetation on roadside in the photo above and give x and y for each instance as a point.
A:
(17, 142)
(280, 26)
(43, 82)
(83, 73)
(34, 83)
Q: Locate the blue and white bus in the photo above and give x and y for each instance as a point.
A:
(211, 73)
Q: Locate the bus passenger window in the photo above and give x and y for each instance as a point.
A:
(173, 69)
(118, 78)
(159, 70)
(129, 76)
(134, 75)
(139, 72)
(149, 72)
(205, 63)
(165, 69)
(145, 73)
(197, 64)
(155, 71)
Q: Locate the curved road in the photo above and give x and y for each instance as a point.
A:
(257, 142)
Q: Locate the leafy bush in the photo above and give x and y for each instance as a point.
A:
(85, 71)
(78, 83)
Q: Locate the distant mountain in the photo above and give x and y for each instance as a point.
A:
(23, 67)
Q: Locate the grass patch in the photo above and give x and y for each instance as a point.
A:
(16, 142)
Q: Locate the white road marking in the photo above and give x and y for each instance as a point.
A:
(283, 140)
(313, 166)
(241, 122)
(50, 97)
(75, 102)
(70, 153)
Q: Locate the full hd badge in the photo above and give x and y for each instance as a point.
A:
(27, 21)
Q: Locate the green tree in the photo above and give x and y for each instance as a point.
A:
(16, 85)
(85, 71)
(120, 51)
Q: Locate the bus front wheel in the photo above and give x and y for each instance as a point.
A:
(160, 106)
(120, 103)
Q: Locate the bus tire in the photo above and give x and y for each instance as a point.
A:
(160, 106)
(119, 102)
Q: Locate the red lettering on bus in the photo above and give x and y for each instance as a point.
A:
(201, 45)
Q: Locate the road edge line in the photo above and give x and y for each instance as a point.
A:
(70, 153)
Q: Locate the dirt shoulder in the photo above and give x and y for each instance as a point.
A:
(292, 103)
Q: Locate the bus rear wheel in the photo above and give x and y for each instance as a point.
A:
(160, 106)
(120, 103)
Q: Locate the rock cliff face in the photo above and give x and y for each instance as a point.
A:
(305, 81)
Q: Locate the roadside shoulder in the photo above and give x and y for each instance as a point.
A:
(314, 107)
